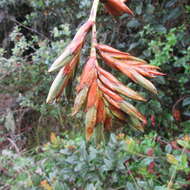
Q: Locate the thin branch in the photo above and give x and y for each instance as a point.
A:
(7, 74)
(15, 146)
(28, 28)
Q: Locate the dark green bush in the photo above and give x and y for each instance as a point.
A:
(149, 163)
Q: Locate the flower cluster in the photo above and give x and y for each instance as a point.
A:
(100, 93)
(131, 66)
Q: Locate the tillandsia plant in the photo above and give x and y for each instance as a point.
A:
(99, 92)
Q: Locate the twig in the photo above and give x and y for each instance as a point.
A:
(8, 73)
(28, 28)
(15, 146)
(178, 101)
(133, 178)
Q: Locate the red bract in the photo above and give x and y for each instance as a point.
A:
(151, 167)
(116, 7)
(100, 92)
(153, 121)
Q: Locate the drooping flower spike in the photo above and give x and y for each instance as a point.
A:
(116, 7)
(101, 95)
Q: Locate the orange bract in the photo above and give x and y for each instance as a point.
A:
(101, 112)
(131, 66)
(116, 7)
(93, 95)
(88, 74)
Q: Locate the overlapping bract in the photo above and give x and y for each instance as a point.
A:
(136, 69)
(103, 95)
(67, 62)
(116, 7)
(100, 93)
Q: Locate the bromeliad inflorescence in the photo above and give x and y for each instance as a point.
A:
(99, 92)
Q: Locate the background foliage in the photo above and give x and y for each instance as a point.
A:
(34, 32)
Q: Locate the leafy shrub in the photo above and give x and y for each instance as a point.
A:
(149, 163)
(157, 26)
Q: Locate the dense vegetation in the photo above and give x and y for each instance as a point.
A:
(32, 34)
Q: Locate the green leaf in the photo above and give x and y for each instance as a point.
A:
(9, 121)
(147, 161)
(108, 164)
(130, 186)
(183, 143)
(160, 188)
(185, 123)
(138, 9)
(133, 45)
(170, 3)
(172, 159)
(150, 9)
(93, 153)
(186, 101)
(175, 13)
(60, 186)
(134, 23)
(160, 28)
(168, 148)
(90, 187)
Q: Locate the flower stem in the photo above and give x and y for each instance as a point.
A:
(94, 41)
(94, 10)
(93, 18)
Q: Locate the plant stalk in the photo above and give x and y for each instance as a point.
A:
(94, 9)
(93, 15)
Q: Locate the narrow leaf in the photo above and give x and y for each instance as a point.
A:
(118, 113)
(88, 74)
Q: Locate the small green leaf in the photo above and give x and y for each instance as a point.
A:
(90, 187)
(168, 148)
(183, 143)
(171, 159)
(130, 186)
(186, 101)
(134, 23)
(150, 9)
(138, 9)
